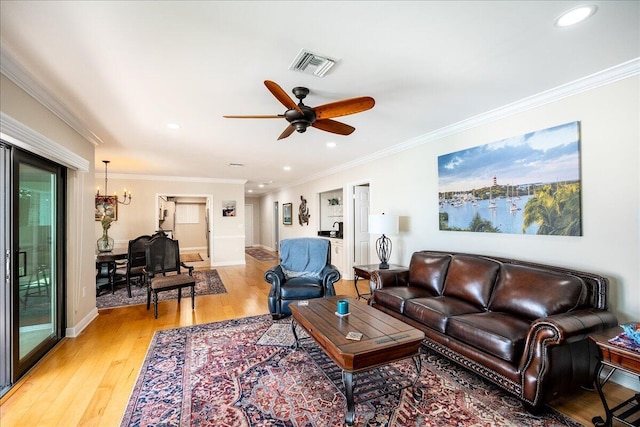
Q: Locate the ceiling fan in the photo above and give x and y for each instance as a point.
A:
(301, 116)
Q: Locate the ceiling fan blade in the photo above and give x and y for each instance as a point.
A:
(344, 107)
(288, 131)
(333, 126)
(281, 95)
(279, 116)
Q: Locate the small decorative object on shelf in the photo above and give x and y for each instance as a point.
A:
(334, 201)
(105, 243)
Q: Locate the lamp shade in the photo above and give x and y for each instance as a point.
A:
(383, 224)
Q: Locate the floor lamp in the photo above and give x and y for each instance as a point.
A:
(383, 224)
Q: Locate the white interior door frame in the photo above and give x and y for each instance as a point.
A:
(248, 221)
(209, 202)
(349, 224)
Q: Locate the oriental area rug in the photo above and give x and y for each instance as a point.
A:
(260, 254)
(217, 374)
(207, 282)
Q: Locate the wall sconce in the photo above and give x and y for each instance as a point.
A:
(383, 224)
(127, 194)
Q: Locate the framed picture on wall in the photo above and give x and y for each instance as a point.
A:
(106, 205)
(287, 217)
(229, 208)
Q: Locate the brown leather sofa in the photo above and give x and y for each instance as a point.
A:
(524, 326)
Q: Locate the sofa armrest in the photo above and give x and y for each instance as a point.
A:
(330, 275)
(275, 276)
(385, 278)
(552, 331)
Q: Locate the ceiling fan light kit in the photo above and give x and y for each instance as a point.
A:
(300, 116)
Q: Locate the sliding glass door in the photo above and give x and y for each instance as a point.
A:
(35, 259)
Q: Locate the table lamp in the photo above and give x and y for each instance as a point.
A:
(383, 224)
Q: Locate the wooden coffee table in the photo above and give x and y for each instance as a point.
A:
(385, 339)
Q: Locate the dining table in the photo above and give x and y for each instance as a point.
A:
(106, 268)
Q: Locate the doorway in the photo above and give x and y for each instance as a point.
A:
(361, 224)
(33, 236)
(187, 218)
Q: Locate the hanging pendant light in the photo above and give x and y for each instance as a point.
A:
(127, 194)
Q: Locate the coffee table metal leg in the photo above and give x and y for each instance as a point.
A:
(296, 344)
(417, 392)
(347, 379)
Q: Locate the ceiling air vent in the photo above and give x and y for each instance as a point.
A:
(312, 63)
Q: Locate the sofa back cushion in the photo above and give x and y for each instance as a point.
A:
(471, 278)
(532, 293)
(428, 270)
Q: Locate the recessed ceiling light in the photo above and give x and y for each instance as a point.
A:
(173, 126)
(331, 144)
(576, 15)
(261, 185)
(287, 168)
(249, 191)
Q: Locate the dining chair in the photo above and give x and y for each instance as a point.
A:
(165, 272)
(133, 267)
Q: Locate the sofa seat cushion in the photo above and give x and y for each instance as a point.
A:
(435, 312)
(500, 334)
(395, 297)
(301, 288)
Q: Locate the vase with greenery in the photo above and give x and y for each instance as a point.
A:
(105, 243)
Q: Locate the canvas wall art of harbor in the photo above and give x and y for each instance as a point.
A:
(528, 184)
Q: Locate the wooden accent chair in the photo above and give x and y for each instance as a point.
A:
(164, 272)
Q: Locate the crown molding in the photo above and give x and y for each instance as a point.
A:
(610, 75)
(25, 81)
(172, 178)
(15, 133)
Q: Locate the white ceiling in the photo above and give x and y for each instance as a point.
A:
(126, 69)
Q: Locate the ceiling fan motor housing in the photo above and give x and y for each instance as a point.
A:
(300, 121)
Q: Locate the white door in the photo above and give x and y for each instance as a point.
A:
(248, 225)
(361, 225)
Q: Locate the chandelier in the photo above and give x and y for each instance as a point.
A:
(127, 194)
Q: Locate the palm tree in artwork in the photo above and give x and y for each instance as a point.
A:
(556, 211)
(478, 224)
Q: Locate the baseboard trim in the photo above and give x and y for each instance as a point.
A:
(73, 332)
(226, 263)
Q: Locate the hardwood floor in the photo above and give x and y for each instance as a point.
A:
(86, 381)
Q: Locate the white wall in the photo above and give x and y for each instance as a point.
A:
(406, 184)
(141, 216)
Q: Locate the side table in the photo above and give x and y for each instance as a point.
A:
(615, 357)
(364, 272)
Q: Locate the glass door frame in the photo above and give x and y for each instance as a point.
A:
(58, 283)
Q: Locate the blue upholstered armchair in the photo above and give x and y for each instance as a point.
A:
(304, 272)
